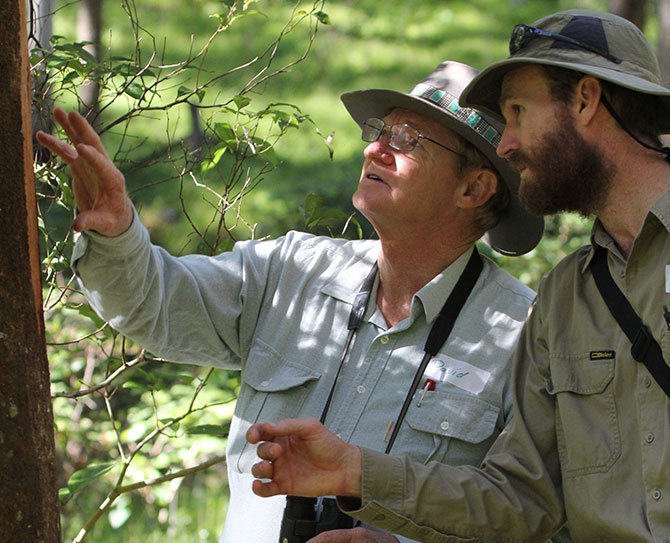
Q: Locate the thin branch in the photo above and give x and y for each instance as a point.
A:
(102, 384)
(82, 338)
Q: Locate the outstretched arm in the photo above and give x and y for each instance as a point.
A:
(99, 187)
(303, 458)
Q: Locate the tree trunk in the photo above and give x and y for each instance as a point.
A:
(41, 27)
(28, 493)
(89, 29)
(633, 10)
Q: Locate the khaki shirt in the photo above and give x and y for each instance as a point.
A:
(590, 437)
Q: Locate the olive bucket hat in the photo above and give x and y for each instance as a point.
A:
(604, 45)
(437, 97)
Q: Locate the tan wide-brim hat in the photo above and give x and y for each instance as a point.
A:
(437, 97)
(637, 68)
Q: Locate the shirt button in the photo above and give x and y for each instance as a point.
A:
(650, 437)
(384, 340)
(360, 389)
(656, 494)
(647, 382)
(444, 425)
(265, 383)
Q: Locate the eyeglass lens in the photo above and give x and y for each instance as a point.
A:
(402, 137)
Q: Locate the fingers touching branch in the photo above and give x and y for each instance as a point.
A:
(98, 185)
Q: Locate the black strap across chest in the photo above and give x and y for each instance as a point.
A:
(440, 331)
(437, 336)
(644, 347)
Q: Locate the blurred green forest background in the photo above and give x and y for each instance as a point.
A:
(280, 155)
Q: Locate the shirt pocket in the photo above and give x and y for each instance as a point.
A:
(459, 426)
(587, 428)
(273, 388)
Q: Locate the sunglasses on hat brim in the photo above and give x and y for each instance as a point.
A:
(523, 34)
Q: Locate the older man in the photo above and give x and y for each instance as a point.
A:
(590, 441)
(400, 344)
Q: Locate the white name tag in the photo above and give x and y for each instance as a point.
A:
(461, 374)
(667, 279)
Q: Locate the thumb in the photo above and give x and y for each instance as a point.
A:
(83, 221)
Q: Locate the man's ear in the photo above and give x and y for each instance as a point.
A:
(479, 185)
(587, 99)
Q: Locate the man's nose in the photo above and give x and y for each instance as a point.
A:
(379, 149)
(508, 143)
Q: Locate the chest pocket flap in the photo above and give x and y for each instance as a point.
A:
(267, 371)
(581, 376)
(456, 416)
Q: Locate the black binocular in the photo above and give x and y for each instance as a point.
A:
(303, 519)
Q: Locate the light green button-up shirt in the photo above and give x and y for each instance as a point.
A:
(278, 310)
(590, 439)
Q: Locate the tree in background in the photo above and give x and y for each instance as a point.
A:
(89, 29)
(633, 10)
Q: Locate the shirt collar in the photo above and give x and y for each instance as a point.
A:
(599, 236)
(430, 297)
(433, 295)
(347, 282)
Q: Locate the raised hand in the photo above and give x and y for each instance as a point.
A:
(303, 458)
(99, 187)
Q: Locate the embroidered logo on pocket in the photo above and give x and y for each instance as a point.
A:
(601, 355)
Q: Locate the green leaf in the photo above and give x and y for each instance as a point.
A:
(225, 132)
(71, 76)
(270, 155)
(211, 163)
(55, 38)
(135, 90)
(313, 203)
(241, 101)
(64, 495)
(86, 56)
(322, 17)
(219, 430)
(83, 477)
(174, 426)
(85, 311)
(134, 385)
(181, 91)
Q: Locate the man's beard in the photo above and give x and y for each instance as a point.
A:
(567, 172)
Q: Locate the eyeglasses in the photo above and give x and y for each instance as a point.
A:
(401, 137)
(522, 35)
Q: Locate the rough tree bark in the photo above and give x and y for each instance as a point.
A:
(28, 493)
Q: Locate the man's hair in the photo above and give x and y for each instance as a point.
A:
(490, 213)
(639, 112)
